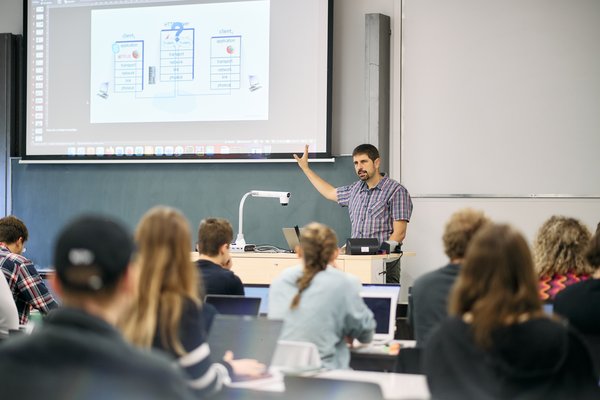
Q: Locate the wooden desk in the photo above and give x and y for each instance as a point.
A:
(264, 267)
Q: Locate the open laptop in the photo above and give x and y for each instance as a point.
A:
(292, 237)
(259, 290)
(234, 305)
(247, 337)
(383, 305)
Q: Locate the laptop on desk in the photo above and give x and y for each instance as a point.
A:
(247, 337)
(259, 290)
(234, 305)
(383, 305)
(292, 237)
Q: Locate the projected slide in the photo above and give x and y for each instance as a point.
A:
(200, 62)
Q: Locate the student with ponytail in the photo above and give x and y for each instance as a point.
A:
(319, 303)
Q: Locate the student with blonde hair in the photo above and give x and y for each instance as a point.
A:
(319, 303)
(167, 313)
(499, 343)
(559, 258)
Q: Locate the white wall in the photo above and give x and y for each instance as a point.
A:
(349, 100)
(480, 76)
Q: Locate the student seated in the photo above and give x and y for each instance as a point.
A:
(499, 344)
(24, 281)
(580, 302)
(429, 296)
(167, 314)
(558, 255)
(77, 353)
(214, 263)
(9, 317)
(318, 303)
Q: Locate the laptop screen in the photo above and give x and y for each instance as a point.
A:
(234, 305)
(383, 306)
(246, 337)
(259, 290)
(292, 237)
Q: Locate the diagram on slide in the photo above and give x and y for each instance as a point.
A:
(200, 62)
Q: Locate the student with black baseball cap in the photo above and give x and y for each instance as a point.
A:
(78, 353)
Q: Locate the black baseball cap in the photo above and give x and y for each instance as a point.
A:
(92, 252)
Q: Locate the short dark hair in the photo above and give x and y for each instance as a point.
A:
(11, 229)
(212, 234)
(368, 149)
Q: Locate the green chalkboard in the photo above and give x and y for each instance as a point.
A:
(46, 196)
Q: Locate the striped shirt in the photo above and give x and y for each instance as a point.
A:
(373, 211)
(203, 376)
(26, 285)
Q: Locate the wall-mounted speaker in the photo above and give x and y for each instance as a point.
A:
(377, 82)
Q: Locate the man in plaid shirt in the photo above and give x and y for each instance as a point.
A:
(27, 287)
(379, 207)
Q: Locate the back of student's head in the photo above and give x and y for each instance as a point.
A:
(167, 277)
(592, 253)
(460, 229)
(91, 255)
(318, 245)
(11, 229)
(497, 284)
(368, 149)
(212, 234)
(559, 247)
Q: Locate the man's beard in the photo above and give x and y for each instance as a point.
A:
(364, 177)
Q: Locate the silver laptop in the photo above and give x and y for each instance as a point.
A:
(383, 305)
(246, 337)
(292, 237)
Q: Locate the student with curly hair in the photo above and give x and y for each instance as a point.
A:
(580, 302)
(559, 255)
(319, 303)
(499, 343)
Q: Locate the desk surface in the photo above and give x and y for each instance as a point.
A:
(259, 267)
(252, 254)
(393, 386)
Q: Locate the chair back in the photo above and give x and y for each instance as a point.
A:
(292, 355)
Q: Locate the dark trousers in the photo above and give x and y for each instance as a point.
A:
(392, 271)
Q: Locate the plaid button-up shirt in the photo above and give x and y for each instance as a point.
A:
(27, 287)
(373, 211)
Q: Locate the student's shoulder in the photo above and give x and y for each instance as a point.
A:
(288, 275)
(15, 261)
(423, 281)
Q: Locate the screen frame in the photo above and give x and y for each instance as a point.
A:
(185, 158)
